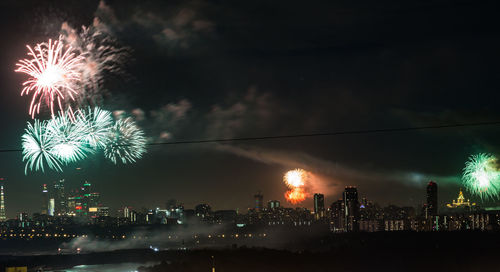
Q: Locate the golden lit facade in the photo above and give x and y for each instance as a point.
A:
(461, 202)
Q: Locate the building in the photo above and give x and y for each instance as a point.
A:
(60, 199)
(319, 206)
(225, 216)
(461, 203)
(432, 200)
(3, 217)
(351, 209)
(337, 216)
(45, 199)
(51, 208)
(273, 204)
(259, 201)
(202, 210)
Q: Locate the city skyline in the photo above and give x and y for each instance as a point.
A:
(315, 202)
(201, 71)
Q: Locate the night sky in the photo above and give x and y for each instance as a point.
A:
(223, 69)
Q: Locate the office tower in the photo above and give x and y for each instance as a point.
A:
(273, 204)
(45, 200)
(432, 199)
(319, 206)
(51, 207)
(59, 195)
(351, 208)
(259, 201)
(337, 215)
(3, 217)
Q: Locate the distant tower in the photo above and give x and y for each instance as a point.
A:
(432, 199)
(45, 199)
(337, 214)
(60, 199)
(51, 208)
(319, 206)
(351, 208)
(273, 204)
(259, 201)
(2, 202)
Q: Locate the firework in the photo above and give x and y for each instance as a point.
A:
(52, 73)
(481, 176)
(69, 139)
(97, 124)
(295, 180)
(37, 148)
(295, 195)
(126, 142)
(102, 56)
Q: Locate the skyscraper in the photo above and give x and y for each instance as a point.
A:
(45, 200)
(60, 199)
(51, 208)
(351, 208)
(259, 201)
(3, 217)
(337, 215)
(432, 199)
(319, 206)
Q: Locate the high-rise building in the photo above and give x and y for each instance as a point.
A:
(432, 199)
(3, 217)
(60, 199)
(337, 216)
(51, 208)
(259, 201)
(273, 204)
(351, 208)
(319, 206)
(45, 199)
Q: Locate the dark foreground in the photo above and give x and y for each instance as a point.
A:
(446, 251)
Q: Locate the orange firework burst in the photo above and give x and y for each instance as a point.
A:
(295, 180)
(295, 195)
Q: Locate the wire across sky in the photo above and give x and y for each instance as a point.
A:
(333, 133)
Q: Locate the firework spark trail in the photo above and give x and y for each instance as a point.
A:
(127, 142)
(295, 181)
(98, 123)
(37, 148)
(53, 73)
(69, 139)
(481, 176)
(102, 56)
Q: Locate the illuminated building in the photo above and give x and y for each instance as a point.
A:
(337, 216)
(319, 206)
(45, 199)
(351, 208)
(51, 207)
(273, 204)
(3, 217)
(432, 200)
(259, 201)
(202, 210)
(61, 201)
(460, 203)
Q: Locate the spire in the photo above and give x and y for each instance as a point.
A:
(461, 197)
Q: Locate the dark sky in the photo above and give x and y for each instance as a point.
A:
(220, 69)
